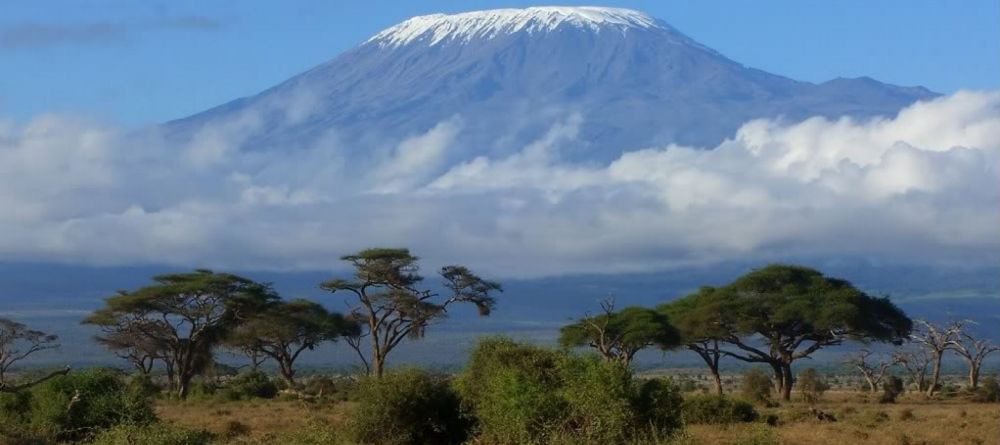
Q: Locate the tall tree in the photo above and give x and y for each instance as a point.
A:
(700, 320)
(795, 311)
(18, 342)
(618, 336)
(391, 307)
(189, 314)
(873, 371)
(936, 340)
(285, 330)
(973, 350)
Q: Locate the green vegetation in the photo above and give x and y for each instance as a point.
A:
(408, 407)
(713, 409)
(508, 393)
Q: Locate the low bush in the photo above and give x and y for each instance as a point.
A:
(811, 385)
(249, 385)
(525, 394)
(660, 406)
(713, 409)
(407, 407)
(153, 434)
(79, 405)
(756, 386)
(988, 391)
(892, 387)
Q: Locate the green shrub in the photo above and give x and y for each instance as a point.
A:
(249, 385)
(407, 407)
(522, 394)
(756, 386)
(78, 405)
(660, 406)
(153, 434)
(14, 408)
(892, 387)
(812, 386)
(512, 390)
(713, 409)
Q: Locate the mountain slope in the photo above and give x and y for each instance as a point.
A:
(510, 74)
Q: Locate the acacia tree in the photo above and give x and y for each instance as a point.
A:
(285, 330)
(189, 314)
(872, 371)
(935, 340)
(974, 352)
(389, 305)
(915, 363)
(125, 334)
(795, 311)
(700, 321)
(18, 342)
(618, 336)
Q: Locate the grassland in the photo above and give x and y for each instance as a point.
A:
(913, 420)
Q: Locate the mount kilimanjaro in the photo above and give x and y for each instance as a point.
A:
(509, 75)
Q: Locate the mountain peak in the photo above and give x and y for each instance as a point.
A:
(436, 28)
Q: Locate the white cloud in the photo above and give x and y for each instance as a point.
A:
(920, 187)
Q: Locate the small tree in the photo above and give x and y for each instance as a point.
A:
(872, 371)
(618, 336)
(935, 340)
(18, 342)
(285, 330)
(811, 385)
(189, 314)
(892, 387)
(973, 351)
(699, 319)
(389, 305)
(915, 363)
(756, 386)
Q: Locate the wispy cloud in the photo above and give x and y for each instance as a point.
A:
(917, 188)
(42, 35)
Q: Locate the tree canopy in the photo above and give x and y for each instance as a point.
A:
(187, 313)
(619, 335)
(284, 330)
(389, 305)
(795, 311)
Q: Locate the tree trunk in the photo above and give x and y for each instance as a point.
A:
(787, 383)
(872, 386)
(718, 381)
(936, 374)
(287, 373)
(779, 378)
(973, 375)
(183, 385)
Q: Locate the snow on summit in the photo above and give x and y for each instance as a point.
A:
(436, 28)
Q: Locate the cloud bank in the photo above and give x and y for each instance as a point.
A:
(41, 35)
(922, 187)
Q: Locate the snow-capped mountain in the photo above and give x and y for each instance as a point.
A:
(508, 75)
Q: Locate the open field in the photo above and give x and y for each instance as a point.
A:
(911, 421)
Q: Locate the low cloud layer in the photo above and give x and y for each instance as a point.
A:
(41, 35)
(922, 187)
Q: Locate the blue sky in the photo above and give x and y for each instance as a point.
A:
(141, 62)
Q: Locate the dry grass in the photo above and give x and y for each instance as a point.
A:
(913, 421)
(258, 417)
